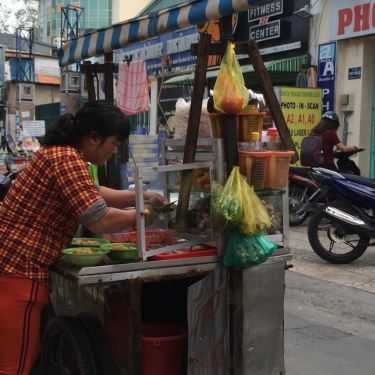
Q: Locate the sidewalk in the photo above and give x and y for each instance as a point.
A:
(359, 274)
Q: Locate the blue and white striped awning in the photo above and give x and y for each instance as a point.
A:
(117, 36)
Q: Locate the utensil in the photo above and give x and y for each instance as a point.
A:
(169, 207)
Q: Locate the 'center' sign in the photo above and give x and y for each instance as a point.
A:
(352, 18)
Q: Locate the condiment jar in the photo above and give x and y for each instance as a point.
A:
(254, 141)
(273, 139)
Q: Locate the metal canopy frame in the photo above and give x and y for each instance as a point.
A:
(104, 41)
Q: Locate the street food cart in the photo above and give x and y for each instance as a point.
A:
(173, 303)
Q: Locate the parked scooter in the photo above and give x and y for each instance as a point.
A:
(6, 182)
(340, 230)
(302, 186)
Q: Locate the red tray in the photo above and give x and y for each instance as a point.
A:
(196, 251)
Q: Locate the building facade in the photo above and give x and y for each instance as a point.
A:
(21, 99)
(123, 10)
(345, 30)
(95, 14)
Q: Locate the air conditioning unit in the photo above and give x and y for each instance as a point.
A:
(25, 92)
(71, 82)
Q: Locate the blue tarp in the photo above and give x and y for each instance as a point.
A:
(141, 28)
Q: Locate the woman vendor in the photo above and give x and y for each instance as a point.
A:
(40, 215)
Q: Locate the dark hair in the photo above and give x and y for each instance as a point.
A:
(94, 118)
(325, 124)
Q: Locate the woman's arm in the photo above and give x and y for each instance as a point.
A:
(117, 198)
(345, 148)
(126, 198)
(114, 220)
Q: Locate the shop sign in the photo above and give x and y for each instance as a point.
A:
(274, 26)
(35, 128)
(327, 74)
(352, 18)
(170, 51)
(270, 30)
(261, 28)
(355, 73)
(302, 109)
(269, 9)
(2, 65)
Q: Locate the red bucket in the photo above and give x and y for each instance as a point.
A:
(164, 349)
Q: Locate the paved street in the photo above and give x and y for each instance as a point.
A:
(330, 314)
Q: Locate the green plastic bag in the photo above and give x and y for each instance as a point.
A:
(237, 204)
(243, 251)
(227, 200)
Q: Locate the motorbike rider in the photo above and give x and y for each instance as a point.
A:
(327, 130)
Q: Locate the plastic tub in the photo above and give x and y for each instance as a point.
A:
(74, 257)
(249, 123)
(164, 349)
(277, 175)
(254, 166)
(121, 252)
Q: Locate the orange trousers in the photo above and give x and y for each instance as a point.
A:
(21, 304)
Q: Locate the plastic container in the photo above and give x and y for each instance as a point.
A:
(121, 252)
(248, 123)
(254, 166)
(273, 139)
(88, 242)
(74, 258)
(251, 108)
(164, 349)
(278, 169)
(273, 134)
(254, 136)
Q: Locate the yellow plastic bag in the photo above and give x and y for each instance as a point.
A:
(230, 92)
(227, 200)
(255, 215)
(238, 204)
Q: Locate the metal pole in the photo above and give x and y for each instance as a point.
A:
(140, 208)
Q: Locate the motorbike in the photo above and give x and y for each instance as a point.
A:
(302, 186)
(6, 182)
(340, 229)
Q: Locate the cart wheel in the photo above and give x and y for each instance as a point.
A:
(66, 349)
(105, 362)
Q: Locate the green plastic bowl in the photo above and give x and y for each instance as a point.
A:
(88, 242)
(84, 260)
(128, 254)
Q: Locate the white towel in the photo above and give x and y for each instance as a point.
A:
(132, 88)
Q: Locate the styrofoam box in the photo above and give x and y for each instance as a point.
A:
(143, 139)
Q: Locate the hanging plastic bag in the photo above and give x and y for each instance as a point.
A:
(227, 200)
(238, 204)
(243, 251)
(230, 93)
(255, 215)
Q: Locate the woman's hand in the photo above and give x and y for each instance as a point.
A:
(155, 199)
(149, 215)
